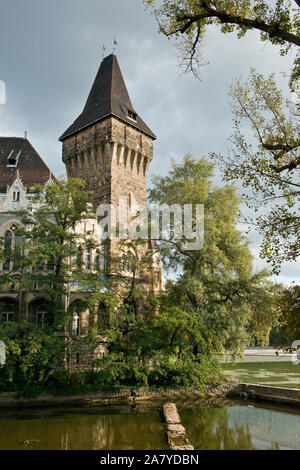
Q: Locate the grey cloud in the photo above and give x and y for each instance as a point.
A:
(50, 53)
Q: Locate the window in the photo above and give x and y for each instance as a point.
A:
(51, 264)
(7, 312)
(18, 252)
(76, 324)
(79, 258)
(7, 250)
(105, 258)
(41, 265)
(97, 261)
(128, 263)
(12, 250)
(132, 115)
(16, 196)
(88, 258)
(41, 313)
(13, 159)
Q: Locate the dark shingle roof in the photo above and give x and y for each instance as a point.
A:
(32, 169)
(108, 96)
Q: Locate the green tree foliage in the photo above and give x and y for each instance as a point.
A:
(217, 282)
(171, 349)
(32, 356)
(268, 168)
(278, 22)
(289, 304)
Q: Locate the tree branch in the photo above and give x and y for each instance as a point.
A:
(272, 30)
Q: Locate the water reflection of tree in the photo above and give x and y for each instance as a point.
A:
(113, 432)
(209, 429)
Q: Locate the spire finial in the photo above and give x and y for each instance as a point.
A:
(25, 135)
(103, 50)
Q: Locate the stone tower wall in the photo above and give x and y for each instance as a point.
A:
(112, 158)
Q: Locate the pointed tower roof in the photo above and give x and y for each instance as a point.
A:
(108, 97)
(19, 158)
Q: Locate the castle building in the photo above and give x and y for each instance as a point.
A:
(108, 146)
(21, 168)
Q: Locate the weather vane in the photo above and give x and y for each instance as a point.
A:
(115, 44)
(103, 50)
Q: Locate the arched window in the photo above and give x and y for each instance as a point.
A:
(41, 313)
(7, 250)
(7, 312)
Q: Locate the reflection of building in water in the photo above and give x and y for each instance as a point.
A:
(268, 426)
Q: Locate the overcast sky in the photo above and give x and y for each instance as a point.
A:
(50, 52)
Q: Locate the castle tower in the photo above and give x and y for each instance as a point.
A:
(109, 146)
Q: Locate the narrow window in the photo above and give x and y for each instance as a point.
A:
(79, 258)
(97, 261)
(76, 325)
(7, 250)
(18, 252)
(105, 258)
(88, 258)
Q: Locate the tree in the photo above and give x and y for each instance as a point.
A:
(170, 349)
(269, 167)
(216, 282)
(277, 23)
(33, 355)
(50, 249)
(289, 304)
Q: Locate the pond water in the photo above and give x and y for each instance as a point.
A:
(242, 427)
(264, 369)
(235, 425)
(83, 429)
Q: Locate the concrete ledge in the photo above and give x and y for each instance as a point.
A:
(247, 391)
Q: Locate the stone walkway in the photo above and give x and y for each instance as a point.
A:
(177, 437)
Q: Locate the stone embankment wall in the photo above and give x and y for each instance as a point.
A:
(125, 395)
(221, 394)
